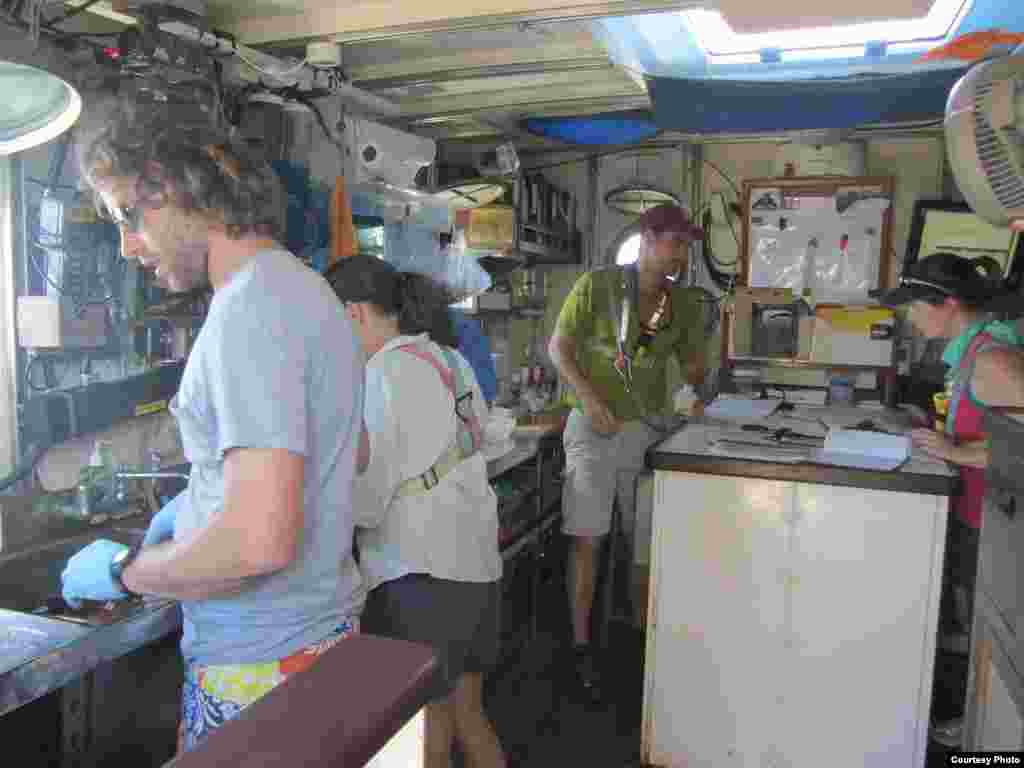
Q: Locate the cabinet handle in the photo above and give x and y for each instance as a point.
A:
(1009, 506)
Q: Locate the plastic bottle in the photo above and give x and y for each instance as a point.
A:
(101, 468)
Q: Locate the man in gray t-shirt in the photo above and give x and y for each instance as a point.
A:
(258, 547)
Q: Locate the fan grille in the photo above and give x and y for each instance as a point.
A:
(1007, 185)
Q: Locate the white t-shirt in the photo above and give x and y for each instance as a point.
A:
(450, 532)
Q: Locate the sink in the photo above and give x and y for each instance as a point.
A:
(28, 579)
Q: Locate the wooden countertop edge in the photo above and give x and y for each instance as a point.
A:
(340, 712)
(536, 431)
(803, 473)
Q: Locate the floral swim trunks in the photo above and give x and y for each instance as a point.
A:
(212, 695)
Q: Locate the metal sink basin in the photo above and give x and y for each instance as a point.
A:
(28, 579)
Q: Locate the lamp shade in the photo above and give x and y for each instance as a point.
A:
(35, 106)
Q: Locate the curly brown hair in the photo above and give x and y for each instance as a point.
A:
(212, 174)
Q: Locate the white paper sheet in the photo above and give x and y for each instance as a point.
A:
(741, 410)
(861, 449)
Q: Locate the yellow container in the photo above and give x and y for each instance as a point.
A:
(492, 226)
(941, 402)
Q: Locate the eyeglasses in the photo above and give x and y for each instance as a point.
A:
(128, 217)
(914, 281)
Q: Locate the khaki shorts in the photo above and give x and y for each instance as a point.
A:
(596, 468)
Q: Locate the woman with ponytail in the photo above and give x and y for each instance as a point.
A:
(427, 516)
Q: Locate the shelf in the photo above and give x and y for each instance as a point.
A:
(541, 253)
(560, 233)
(799, 364)
(528, 534)
(543, 239)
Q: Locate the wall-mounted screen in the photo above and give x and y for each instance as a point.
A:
(941, 226)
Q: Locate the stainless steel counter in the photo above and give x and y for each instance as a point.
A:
(86, 649)
(56, 658)
(524, 451)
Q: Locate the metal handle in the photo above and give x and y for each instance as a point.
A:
(1009, 506)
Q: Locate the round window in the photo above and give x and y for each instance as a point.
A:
(625, 248)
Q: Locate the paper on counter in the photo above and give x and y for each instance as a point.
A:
(741, 410)
(860, 449)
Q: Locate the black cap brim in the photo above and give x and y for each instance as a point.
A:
(902, 295)
(1010, 304)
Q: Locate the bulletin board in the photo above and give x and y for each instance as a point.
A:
(831, 235)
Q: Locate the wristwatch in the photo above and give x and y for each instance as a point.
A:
(121, 561)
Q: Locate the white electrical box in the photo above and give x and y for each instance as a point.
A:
(46, 322)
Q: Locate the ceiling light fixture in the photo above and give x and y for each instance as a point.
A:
(717, 38)
(35, 107)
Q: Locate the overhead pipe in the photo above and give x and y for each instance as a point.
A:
(273, 71)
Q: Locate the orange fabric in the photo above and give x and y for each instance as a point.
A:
(299, 661)
(343, 233)
(972, 46)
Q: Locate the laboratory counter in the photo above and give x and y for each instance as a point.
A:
(39, 654)
(690, 450)
(793, 605)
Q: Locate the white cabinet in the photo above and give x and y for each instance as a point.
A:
(790, 624)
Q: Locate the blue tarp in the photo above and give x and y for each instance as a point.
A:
(621, 128)
(729, 106)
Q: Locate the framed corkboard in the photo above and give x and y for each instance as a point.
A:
(829, 236)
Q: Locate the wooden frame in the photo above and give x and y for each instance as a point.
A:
(822, 186)
(817, 185)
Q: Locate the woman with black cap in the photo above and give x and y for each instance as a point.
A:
(954, 298)
(428, 536)
(951, 297)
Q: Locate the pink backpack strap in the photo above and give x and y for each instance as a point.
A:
(468, 425)
(422, 354)
(470, 421)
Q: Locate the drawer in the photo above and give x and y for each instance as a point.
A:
(1006, 467)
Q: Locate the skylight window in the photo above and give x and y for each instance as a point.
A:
(717, 39)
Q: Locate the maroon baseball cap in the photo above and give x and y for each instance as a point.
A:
(669, 218)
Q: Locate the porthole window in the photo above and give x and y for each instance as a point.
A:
(625, 249)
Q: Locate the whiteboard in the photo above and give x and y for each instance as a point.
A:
(827, 246)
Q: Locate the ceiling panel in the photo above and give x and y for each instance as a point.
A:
(461, 84)
(378, 19)
(454, 83)
(606, 76)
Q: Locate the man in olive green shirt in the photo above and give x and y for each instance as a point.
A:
(612, 424)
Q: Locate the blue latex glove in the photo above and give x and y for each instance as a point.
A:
(161, 527)
(87, 574)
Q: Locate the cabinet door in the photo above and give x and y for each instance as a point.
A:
(1001, 560)
(995, 710)
(713, 665)
(862, 609)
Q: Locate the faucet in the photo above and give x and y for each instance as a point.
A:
(155, 473)
(89, 507)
